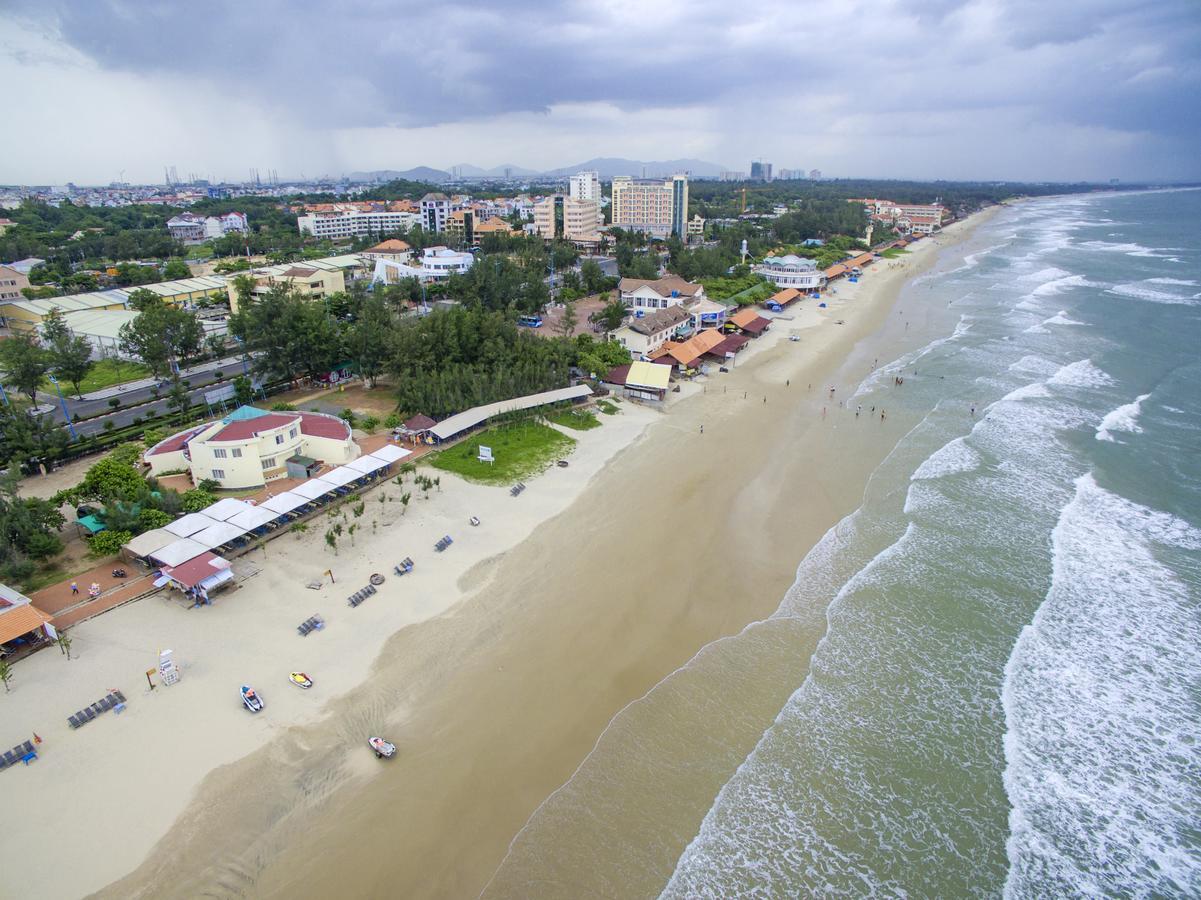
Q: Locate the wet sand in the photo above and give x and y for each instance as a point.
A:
(683, 538)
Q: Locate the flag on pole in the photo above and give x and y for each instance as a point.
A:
(36, 739)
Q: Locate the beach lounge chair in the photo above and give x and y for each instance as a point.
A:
(120, 697)
(74, 721)
(7, 759)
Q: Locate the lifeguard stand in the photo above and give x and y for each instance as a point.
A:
(167, 672)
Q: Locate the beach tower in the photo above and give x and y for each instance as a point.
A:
(167, 672)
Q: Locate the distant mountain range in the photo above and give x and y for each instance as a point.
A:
(605, 166)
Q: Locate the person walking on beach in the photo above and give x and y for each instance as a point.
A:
(858, 409)
(702, 428)
(881, 415)
(74, 588)
(973, 409)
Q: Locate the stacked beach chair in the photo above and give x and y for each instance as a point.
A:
(404, 566)
(21, 753)
(444, 543)
(312, 623)
(112, 700)
(517, 488)
(359, 596)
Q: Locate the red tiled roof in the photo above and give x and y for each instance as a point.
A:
(732, 344)
(618, 374)
(420, 423)
(756, 325)
(247, 428)
(195, 570)
(321, 425)
(176, 441)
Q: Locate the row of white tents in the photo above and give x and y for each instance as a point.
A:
(229, 521)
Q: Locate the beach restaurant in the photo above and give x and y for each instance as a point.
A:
(190, 551)
(640, 380)
(749, 322)
(22, 625)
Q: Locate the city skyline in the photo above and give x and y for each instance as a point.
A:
(1091, 92)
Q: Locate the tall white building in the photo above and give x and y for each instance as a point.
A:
(435, 211)
(353, 223)
(585, 186)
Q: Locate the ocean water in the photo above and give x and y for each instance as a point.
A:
(1005, 699)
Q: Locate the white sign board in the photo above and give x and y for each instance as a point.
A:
(486, 454)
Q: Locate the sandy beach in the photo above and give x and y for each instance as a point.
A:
(495, 667)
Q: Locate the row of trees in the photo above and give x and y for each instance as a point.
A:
(27, 359)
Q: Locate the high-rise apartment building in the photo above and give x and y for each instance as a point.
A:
(657, 207)
(435, 210)
(584, 186)
(760, 171)
(566, 218)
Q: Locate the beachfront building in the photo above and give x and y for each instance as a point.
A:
(644, 294)
(560, 217)
(908, 218)
(791, 271)
(687, 355)
(22, 625)
(346, 223)
(640, 380)
(749, 322)
(251, 446)
(643, 335)
(435, 210)
(394, 249)
(659, 208)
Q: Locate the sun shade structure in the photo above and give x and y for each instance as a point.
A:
(149, 541)
(178, 553)
(218, 534)
(340, 477)
(196, 570)
(253, 517)
(225, 509)
(365, 465)
(456, 424)
(311, 490)
(20, 619)
(390, 453)
(284, 503)
(190, 524)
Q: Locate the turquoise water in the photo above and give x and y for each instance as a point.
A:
(1007, 697)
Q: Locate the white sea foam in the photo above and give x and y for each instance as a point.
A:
(1139, 292)
(952, 458)
(1124, 418)
(1059, 285)
(1100, 704)
(1130, 249)
(1080, 374)
(1184, 282)
(1042, 276)
(1034, 365)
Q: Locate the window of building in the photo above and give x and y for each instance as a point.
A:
(279, 439)
(236, 452)
(269, 462)
(292, 433)
(218, 454)
(219, 474)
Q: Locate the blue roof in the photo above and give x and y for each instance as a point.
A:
(242, 413)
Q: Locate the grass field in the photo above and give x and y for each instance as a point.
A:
(105, 373)
(608, 407)
(519, 451)
(894, 252)
(580, 420)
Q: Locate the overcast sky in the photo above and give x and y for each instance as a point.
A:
(1015, 89)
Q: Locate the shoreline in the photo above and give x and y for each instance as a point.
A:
(252, 800)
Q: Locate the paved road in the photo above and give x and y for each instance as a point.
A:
(137, 397)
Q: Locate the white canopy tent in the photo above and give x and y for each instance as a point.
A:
(178, 553)
(365, 465)
(225, 509)
(218, 534)
(190, 524)
(340, 477)
(313, 489)
(253, 517)
(149, 541)
(390, 453)
(284, 503)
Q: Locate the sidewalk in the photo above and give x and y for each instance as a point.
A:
(117, 390)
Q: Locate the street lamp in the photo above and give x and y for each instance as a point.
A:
(63, 401)
(242, 344)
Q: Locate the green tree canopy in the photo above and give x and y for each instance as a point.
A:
(25, 363)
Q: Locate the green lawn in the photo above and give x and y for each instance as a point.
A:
(607, 407)
(579, 419)
(893, 252)
(105, 373)
(520, 451)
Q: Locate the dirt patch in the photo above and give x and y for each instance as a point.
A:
(552, 319)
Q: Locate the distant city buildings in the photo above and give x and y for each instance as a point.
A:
(192, 229)
(659, 208)
(760, 171)
(11, 282)
(352, 222)
(731, 176)
(585, 186)
(560, 217)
